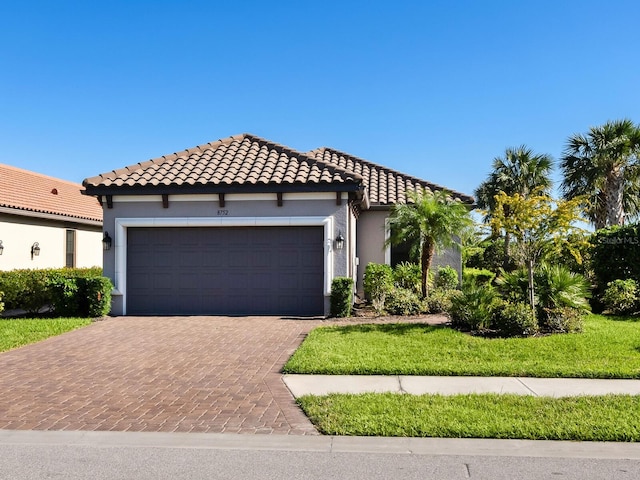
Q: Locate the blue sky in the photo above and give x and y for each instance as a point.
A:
(436, 89)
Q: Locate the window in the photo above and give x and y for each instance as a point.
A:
(396, 254)
(400, 253)
(70, 249)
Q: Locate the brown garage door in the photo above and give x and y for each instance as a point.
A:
(225, 271)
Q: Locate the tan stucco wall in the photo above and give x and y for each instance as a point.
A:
(18, 234)
(371, 236)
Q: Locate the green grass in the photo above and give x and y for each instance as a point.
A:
(608, 348)
(605, 418)
(18, 332)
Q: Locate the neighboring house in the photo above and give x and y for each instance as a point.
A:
(46, 222)
(244, 226)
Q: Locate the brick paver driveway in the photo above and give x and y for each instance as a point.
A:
(184, 374)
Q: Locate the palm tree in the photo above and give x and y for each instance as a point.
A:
(519, 171)
(603, 166)
(428, 223)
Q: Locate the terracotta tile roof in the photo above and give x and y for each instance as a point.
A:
(239, 160)
(27, 191)
(384, 186)
(248, 160)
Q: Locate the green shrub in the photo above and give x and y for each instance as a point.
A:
(616, 254)
(25, 289)
(401, 301)
(472, 309)
(341, 297)
(558, 287)
(446, 278)
(563, 320)
(1, 302)
(68, 291)
(514, 320)
(65, 300)
(439, 301)
(555, 287)
(480, 276)
(621, 297)
(95, 295)
(490, 255)
(378, 283)
(408, 275)
(514, 285)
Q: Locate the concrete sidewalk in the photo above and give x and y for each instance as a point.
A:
(552, 387)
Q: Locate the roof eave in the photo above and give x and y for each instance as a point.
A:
(50, 216)
(95, 190)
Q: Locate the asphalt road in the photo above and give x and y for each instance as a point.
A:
(77, 462)
(76, 455)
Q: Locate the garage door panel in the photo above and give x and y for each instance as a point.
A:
(309, 261)
(306, 282)
(192, 258)
(163, 280)
(210, 260)
(238, 259)
(260, 270)
(288, 259)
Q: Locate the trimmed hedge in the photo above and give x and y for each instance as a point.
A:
(25, 289)
(616, 254)
(341, 297)
(82, 292)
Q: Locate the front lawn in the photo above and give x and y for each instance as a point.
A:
(607, 418)
(18, 332)
(608, 348)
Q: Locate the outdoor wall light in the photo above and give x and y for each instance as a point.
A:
(35, 250)
(339, 241)
(106, 241)
(1, 247)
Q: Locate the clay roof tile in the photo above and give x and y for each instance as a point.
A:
(22, 190)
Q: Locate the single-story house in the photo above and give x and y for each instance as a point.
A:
(46, 222)
(245, 226)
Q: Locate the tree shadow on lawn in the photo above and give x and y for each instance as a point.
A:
(626, 318)
(389, 328)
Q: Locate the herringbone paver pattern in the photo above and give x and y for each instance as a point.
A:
(160, 374)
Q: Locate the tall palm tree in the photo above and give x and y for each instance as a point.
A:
(519, 171)
(428, 223)
(604, 167)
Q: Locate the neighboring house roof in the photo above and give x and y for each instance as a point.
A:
(28, 193)
(384, 186)
(249, 161)
(238, 161)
